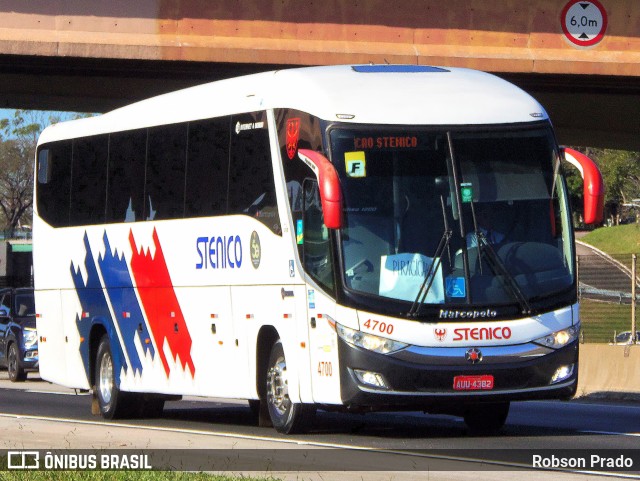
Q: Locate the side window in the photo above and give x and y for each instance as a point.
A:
(165, 174)
(316, 242)
(125, 191)
(297, 130)
(251, 184)
(54, 183)
(24, 305)
(89, 180)
(5, 305)
(207, 168)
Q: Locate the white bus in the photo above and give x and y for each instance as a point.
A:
(351, 238)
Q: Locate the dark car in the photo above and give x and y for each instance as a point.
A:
(625, 337)
(18, 337)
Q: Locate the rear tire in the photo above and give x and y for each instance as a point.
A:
(486, 418)
(112, 402)
(287, 417)
(15, 370)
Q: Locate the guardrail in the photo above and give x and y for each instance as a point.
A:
(608, 297)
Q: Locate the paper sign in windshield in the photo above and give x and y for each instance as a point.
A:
(401, 276)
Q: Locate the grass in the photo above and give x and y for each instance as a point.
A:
(601, 319)
(118, 476)
(620, 239)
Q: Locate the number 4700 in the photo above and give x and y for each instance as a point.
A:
(382, 327)
(325, 368)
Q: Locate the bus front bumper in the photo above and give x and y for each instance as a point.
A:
(432, 378)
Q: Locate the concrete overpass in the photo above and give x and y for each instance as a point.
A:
(580, 59)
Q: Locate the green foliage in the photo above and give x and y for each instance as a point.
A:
(600, 320)
(621, 174)
(18, 140)
(621, 239)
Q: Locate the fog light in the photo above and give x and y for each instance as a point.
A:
(371, 378)
(562, 373)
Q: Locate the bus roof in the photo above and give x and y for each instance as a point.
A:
(380, 94)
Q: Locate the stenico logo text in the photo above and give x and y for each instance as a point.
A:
(219, 252)
(481, 333)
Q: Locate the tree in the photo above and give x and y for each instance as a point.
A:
(17, 153)
(621, 174)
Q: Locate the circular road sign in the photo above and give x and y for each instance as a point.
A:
(584, 22)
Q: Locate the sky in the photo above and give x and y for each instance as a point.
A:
(9, 113)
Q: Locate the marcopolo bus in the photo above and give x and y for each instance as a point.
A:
(350, 238)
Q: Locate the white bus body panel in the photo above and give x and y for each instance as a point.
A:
(205, 344)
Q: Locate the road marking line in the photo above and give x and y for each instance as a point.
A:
(609, 433)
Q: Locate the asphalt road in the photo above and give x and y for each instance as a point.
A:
(38, 415)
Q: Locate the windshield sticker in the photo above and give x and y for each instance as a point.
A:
(456, 287)
(293, 135)
(466, 192)
(299, 232)
(401, 276)
(355, 164)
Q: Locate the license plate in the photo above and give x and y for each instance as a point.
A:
(473, 383)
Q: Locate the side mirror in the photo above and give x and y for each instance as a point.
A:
(329, 185)
(593, 185)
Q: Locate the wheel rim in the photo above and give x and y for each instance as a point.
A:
(278, 387)
(13, 361)
(105, 383)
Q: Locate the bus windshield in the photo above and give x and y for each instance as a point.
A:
(481, 215)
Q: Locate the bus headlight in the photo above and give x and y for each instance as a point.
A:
(30, 337)
(381, 345)
(561, 338)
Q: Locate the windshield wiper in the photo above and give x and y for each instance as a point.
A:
(430, 275)
(498, 267)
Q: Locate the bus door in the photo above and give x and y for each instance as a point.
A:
(318, 264)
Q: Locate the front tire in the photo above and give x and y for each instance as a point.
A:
(287, 417)
(112, 402)
(15, 370)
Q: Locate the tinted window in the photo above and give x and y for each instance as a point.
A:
(164, 194)
(251, 185)
(89, 180)
(125, 196)
(317, 246)
(54, 190)
(207, 168)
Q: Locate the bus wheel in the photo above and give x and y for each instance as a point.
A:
(16, 372)
(486, 418)
(287, 417)
(111, 401)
